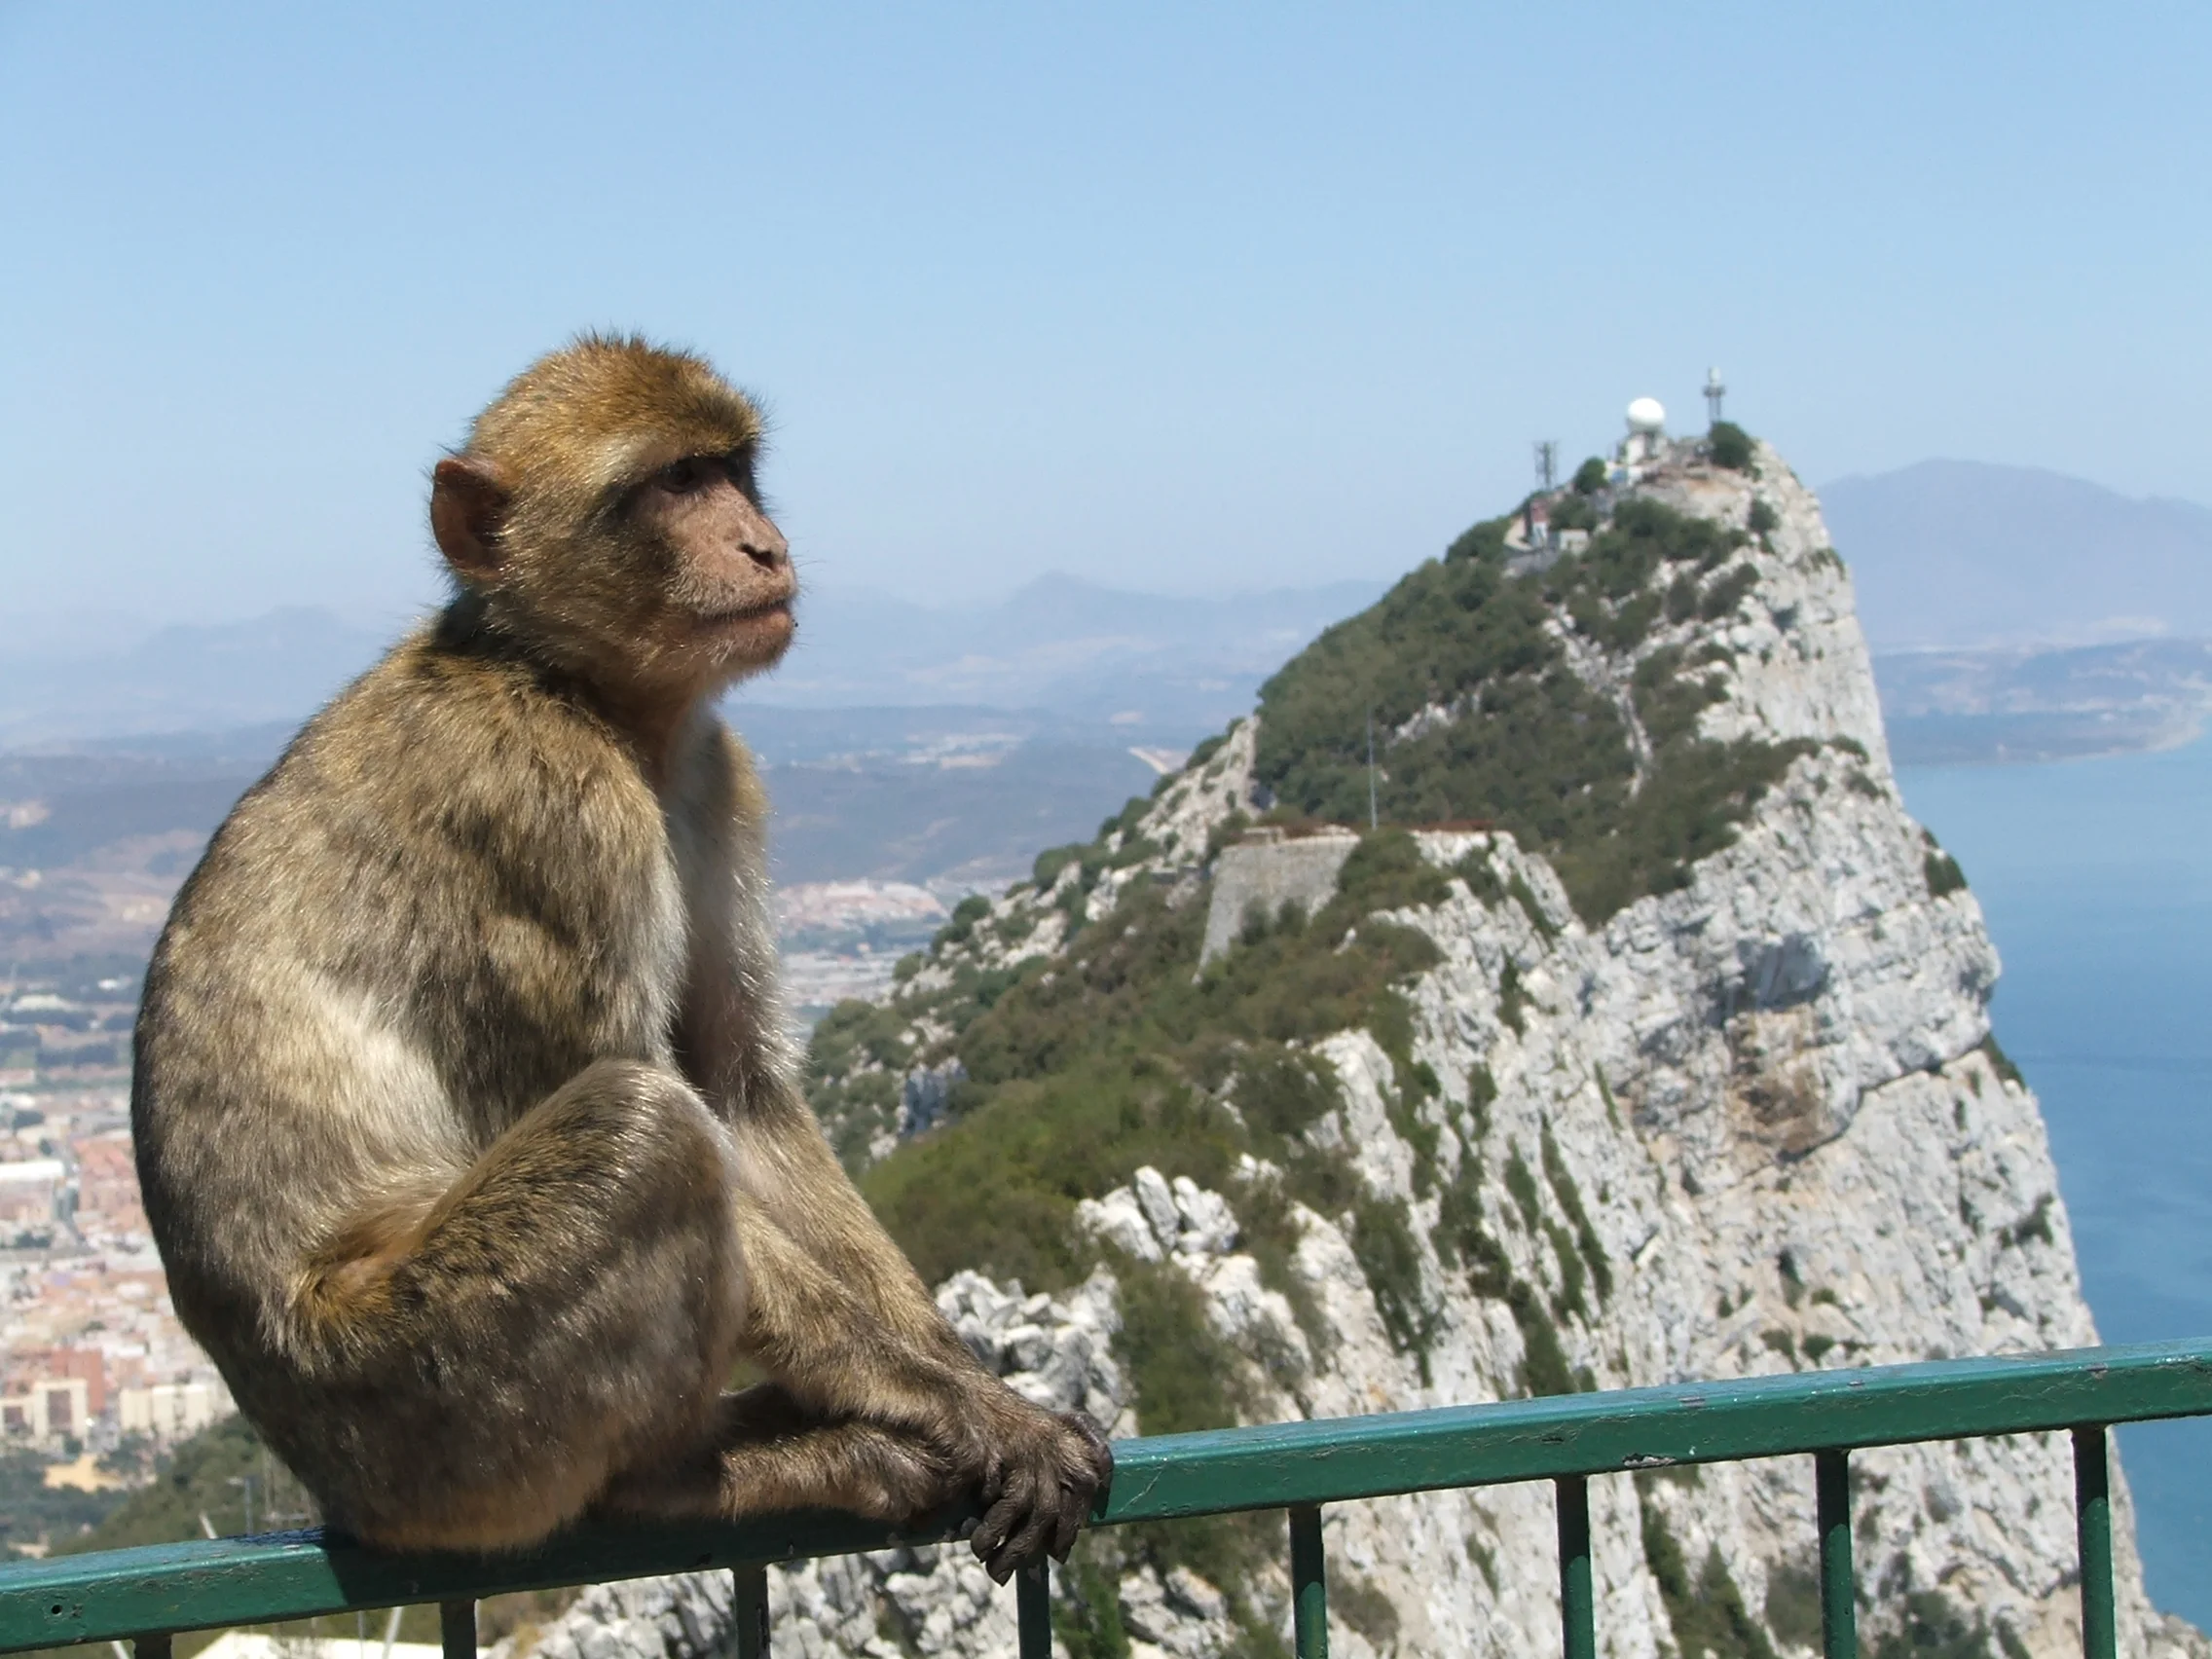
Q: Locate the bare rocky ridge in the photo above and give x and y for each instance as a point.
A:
(1751, 1124)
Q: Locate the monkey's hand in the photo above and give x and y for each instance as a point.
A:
(1042, 1472)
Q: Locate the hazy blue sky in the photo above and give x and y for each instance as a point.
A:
(1186, 296)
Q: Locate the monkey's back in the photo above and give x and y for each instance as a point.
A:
(452, 892)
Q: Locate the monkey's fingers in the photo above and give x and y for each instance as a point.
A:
(1100, 1448)
(1085, 1477)
(1026, 1546)
(1075, 1504)
(1003, 1517)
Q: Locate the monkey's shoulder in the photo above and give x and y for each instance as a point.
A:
(433, 767)
(499, 735)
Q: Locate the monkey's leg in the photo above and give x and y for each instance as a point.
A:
(470, 1377)
(768, 1454)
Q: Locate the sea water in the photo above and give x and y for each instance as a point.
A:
(2096, 879)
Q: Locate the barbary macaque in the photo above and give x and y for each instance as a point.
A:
(468, 1128)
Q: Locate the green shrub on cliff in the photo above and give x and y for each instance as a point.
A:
(1119, 1058)
(1944, 875)
(1730, 446)
(1531, 747)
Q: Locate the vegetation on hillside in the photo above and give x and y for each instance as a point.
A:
(1705, 1611)
(1115, 1056)
(32, 1513)
(1944, 878)
(1120, 1058)
(1065, 1075)
(1730, 446)
(200, 1479)
(1482, 717)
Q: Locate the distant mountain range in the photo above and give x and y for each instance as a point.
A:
(111, 829)
(948, 745)
(1133, 668)
(901, 741)
(1172, 667)
(277, 667)
(1948, 556)
(1961, 553)
(2022, 615)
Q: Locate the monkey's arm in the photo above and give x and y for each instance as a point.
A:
(801, 1198)
(838, 1315)
(836, 1312)
(733, 1048)
(840, 1318)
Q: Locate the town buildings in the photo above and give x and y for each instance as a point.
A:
(90, 1350)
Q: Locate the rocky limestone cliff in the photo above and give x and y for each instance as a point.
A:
(1747, 1118)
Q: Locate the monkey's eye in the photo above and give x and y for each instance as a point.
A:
(681, 477)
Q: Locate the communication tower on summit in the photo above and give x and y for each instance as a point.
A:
(1547, 464)
(1713, 392)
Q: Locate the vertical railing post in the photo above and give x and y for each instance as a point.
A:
(1309, 1583)
(1839, 1593)
(1033, 1611)
(2092, 1524)
(748, 1610)
(457, 1628)
(154, 1644)
(1577, 1608)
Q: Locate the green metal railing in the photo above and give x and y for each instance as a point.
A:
(148, 1593)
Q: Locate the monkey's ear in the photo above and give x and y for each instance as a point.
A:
(468, 498)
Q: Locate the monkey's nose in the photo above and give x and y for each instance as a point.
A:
(768, 555)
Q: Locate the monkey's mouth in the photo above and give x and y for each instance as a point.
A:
(740, 614)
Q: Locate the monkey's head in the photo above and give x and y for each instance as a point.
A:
(605, 511)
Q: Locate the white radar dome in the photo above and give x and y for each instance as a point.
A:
(1647, 415)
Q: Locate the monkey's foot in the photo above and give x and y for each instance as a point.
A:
(885, 1474)
(769, 1456)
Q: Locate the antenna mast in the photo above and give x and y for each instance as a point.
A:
(1547, 464)
(1372, 818)
(1713, 392)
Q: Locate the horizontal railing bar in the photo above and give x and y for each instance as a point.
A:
(275, 1577)
(1332, 1460)
(262, 1581)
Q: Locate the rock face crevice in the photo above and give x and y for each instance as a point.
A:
(1751, 1124)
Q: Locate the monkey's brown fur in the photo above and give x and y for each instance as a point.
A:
(465, 1123)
